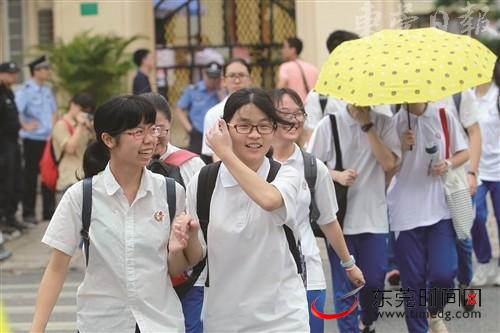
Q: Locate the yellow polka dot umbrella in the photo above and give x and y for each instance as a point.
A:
(405, 66)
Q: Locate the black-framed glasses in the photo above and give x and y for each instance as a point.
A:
(262, 129)
(139, 133)
(234, 76)
(286, 114)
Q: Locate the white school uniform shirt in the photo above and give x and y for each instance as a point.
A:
(213, 114)
(468, 114)
(254, 284)
(333, 105)
(366, 201)
(489, 122)
(417, 199)
(126, 281)
(327, 205)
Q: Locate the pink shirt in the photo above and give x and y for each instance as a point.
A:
(290, 71)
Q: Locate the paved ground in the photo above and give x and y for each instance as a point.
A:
(20, 275)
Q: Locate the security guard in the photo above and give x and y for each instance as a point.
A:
(10, 155)
(37, 112)
(194, 103)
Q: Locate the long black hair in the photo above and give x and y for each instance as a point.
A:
(114, 116)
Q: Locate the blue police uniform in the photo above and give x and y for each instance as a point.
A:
(197, 100)
(35, 102)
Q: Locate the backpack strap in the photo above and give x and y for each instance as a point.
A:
(293, 244)
(304, 81)
(336, 142)
(171, 197)
(310, 174)
(179, 157)
(206, 185)
(444, 125)
(86, 215)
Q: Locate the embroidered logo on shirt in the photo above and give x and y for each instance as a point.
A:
(159, 216)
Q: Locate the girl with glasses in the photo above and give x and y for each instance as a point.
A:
(181, 165)
(134, 247)
(287, 152)
(254, 281)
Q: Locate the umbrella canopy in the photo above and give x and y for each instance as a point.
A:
(405, 66)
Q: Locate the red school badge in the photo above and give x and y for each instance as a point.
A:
(159, 216)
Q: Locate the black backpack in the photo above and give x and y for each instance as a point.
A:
(168, 170)
(310, 174)
(87, 213)
(206, 185)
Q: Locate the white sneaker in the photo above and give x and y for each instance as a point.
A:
(436, 325)
(496, 282)
(482, 274)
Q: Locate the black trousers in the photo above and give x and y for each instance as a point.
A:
(11, 179)
(32, 152)
(195, 143)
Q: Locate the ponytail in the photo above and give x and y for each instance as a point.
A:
(95, 159)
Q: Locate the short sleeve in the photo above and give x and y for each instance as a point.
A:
(209, 121)
(389, 135)
(287, 182)
(21, 101)
(457, 140)
(320, 144)
(191, 190)
(180, 199)
(325, 195)
(468, 109)
(283, 71)
(63, 231)
(53, 102)
(313, 110)
(185, 100)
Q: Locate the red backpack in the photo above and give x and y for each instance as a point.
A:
(49, 164)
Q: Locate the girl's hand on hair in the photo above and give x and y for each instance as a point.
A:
(219, 140)
(179, 235)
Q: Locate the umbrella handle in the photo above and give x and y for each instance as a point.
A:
(409, 124)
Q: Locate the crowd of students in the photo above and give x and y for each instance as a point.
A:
(243, 223)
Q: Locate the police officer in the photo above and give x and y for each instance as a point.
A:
(37, 112)
(194, 103)
(10, 156)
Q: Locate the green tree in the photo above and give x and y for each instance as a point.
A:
(96, 64)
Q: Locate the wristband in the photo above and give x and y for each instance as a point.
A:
(349, 263)
(472, 173)
(366, 127)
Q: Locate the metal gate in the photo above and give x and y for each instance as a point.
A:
(249, 29)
